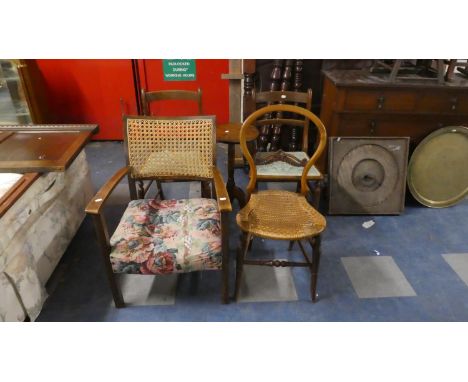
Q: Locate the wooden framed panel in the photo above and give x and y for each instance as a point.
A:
(367, 175)
(41, 148)
(15, 192)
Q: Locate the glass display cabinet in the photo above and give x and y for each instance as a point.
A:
(21, 93)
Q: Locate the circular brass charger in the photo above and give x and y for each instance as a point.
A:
(438, 168)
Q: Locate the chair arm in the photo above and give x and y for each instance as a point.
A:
(97, 202)
(222, 195)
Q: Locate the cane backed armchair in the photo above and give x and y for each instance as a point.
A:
(149, 98)
(279, 214)
(278, 165)
(166, 236)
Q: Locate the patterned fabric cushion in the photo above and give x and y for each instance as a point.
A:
(168, 236)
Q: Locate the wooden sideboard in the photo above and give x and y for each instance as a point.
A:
(359, 103)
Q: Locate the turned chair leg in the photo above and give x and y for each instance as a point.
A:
(205, 189)
(241, 253)
(160, 190)
(315, 266)
(140, 189)
(132, 188)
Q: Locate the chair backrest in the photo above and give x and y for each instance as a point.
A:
(302, 99)
(251, 120)
(177, 148)
(165, 95)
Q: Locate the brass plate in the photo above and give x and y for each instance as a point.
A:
(438, 168)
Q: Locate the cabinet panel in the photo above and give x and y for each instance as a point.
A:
(415, 127)
(443, 102)
(357, 103)
(379, 100)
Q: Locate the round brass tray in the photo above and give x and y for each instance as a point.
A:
(438, 168)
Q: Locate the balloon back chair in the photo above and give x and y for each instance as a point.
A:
(276, 165)
(166, 236)
(279, 214)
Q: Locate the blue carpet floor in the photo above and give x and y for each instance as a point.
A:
(415, 240)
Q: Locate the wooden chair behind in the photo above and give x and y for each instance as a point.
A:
(165, 95)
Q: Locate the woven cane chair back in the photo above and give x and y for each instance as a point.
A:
(252, 119)
(170, 147)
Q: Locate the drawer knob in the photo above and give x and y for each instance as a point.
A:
(373, 124)
(453, 101)
(380, 102)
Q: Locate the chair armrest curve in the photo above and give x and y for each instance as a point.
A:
(222, 195)
(97, 202)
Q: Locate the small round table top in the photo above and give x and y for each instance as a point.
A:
(229, 133)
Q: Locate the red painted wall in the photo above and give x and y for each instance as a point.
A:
(89, 91)
(215, 91)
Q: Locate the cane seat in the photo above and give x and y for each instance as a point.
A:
(280, 215)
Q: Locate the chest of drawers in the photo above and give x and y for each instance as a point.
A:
(359, 103)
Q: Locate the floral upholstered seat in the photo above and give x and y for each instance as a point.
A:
(168, 236)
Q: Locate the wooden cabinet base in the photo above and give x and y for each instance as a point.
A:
(359, 103)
